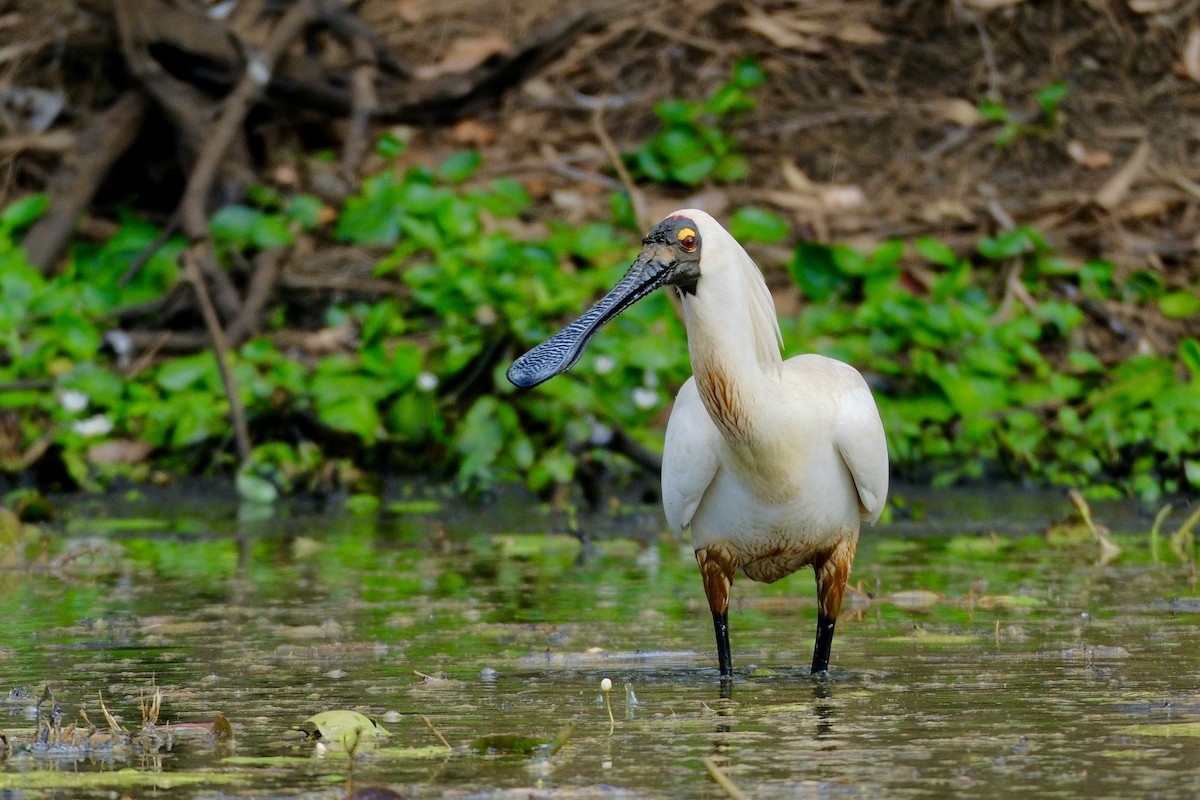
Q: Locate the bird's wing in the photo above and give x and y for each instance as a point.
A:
(860, 440)
(689, 457)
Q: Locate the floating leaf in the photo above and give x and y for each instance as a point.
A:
(342, 727)
(508, 743)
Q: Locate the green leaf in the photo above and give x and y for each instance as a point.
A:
(305, 210)
(390, 146)
(1050, 98)
(682, 145)
(371, 217)
(727, 99)
(815, 272)
(20, 213)
(234, 224)
(693, 172)
(623, 213)
(731, 167)
(992, 110)
(752, 223)
(1008, 244)
(936, 251)
(342, 728)
(505, 198)
(676, 111)
(270, 230)
(1191, 471)
(184, 373)
(457, 167)
(1177, 305)
(355, 414)
(649, 164)
(255, 488)
(850, 261)
(1189, 354)
(747, 73)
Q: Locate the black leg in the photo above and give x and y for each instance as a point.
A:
(824, 643)
(724, 659)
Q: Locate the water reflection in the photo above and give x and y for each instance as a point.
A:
(931, 691)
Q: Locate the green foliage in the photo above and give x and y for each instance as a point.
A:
(1013, 126)
(976, 359)
(972, 383)
(696, 142)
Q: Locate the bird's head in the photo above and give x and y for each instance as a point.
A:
(670, 256)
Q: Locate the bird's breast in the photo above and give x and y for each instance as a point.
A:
(725, 404)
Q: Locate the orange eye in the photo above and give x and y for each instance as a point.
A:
(687, 238)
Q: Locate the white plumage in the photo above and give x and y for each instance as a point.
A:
(772, 464)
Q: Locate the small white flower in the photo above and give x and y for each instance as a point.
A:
(601, 435)
(604, 364)
(650, 379)
(73, 401)
(98, 425)
(606, 685)
(427, 381)
(645, 398)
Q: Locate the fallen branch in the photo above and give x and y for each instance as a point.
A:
(73, 186)
(199, 259)
(447, 97)
(237, 412)
(267, 267)
(193, 209)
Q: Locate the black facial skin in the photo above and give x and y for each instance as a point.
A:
(664, 260)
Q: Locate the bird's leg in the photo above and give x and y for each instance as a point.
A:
(717, 568)
(833, 570)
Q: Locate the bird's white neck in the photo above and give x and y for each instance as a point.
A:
(733, 343)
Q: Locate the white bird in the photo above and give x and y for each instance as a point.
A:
(773, 464)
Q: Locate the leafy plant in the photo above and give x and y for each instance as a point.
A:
(1014, 125)
(976, 358)
(697, 141)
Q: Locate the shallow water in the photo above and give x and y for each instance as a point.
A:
(978, 655)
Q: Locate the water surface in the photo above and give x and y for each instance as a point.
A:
(977, 655)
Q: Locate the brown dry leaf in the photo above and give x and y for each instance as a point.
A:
(913, 599)
(841, 198)
(945, 210)
(787, 31)
(1189, 64)
(794, 177)
(539, 89)
(990, 5)
(466, 54)
(1092, 159)
(118, 451)
(1117, 187)
(473, 132)
(795, 201)
(805, 195)
(778, 34)
(957, 110)
(1152, 6)
(1147, 207)
(860, 33)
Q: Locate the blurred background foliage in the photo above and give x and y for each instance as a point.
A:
(985, 363)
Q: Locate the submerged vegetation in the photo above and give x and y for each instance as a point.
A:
(999, 361)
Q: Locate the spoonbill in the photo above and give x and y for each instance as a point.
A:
(773, 464)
